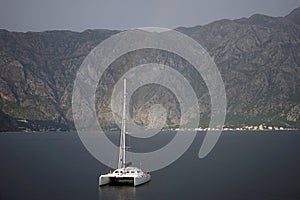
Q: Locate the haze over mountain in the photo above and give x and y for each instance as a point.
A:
(258, 57)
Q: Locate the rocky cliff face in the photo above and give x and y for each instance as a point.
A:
(37, 71)
(258, 57)
(259, 60)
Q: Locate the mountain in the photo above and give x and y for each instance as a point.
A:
(38, 70)
(258, 57)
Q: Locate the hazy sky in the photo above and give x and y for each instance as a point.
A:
(39, 15)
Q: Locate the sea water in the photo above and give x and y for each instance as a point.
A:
(243, 165)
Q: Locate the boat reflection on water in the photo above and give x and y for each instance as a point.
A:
(117, 193)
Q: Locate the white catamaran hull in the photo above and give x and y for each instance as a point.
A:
(133, 176)
(141, 180)
(135, 181)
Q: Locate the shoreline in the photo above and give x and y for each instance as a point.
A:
(182, 130)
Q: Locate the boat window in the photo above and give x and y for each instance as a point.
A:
(132, 171)
(116, 171)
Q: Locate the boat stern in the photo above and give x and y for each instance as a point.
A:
(139, 180)
(105, 179)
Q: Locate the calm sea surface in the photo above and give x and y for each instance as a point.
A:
(243, 165)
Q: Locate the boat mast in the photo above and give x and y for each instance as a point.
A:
(122, 158)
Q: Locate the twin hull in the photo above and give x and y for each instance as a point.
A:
(114, 178)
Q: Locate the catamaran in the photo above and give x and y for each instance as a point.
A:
(125, 174)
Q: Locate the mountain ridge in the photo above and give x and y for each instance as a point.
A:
(258, 58)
